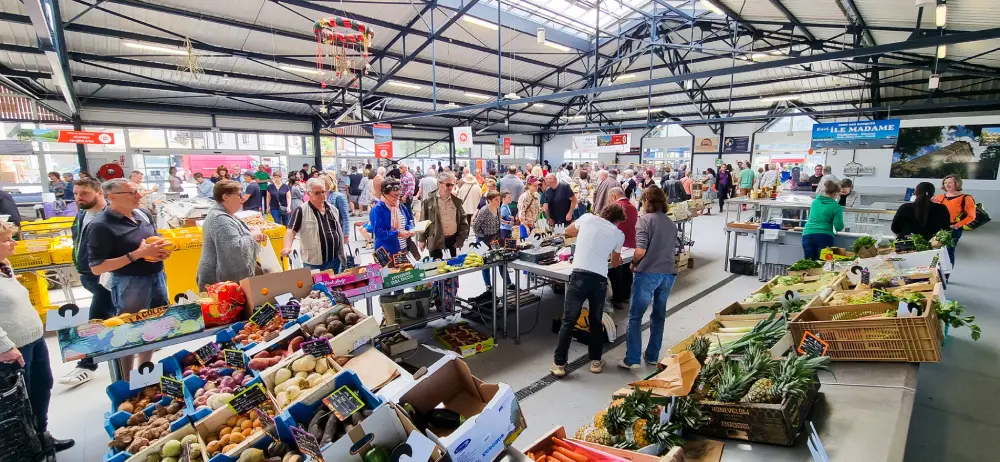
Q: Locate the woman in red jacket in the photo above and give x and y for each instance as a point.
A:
(962, 208)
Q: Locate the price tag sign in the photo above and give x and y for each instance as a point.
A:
(791, 296)
(339, 298)
(812, 345)
(267, 423)
(866, 277)
(382, 257)
(264, 314)
(416, 447)
(510, 244)
(283, 299)
(400, 260)
(66, 316)
(172, 387)
(207, 353)
(319, 347)
(235, 358)
(148, 373)
(307, 443)
(854, 274)
(343, 402)
(249, 398)
(290, 310)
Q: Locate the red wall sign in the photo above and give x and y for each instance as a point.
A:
(383, 140)
(506, 146)
(81, 137)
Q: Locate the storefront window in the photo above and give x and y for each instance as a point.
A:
(147, 138)
(202, 140)
(178, 139)
(225, 140)
(20, 170)
(365, 147)
(270, 142)
(117, 146)
(295, 145)
(328, 146)
(246, 141)
(310, 145)
(62, 163)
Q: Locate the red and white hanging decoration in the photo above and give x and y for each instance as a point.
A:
(341, 40)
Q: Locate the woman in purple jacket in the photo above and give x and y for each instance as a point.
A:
(723, 184)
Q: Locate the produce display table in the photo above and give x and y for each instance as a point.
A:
(862, 414)
(115, 366)
(776, 255)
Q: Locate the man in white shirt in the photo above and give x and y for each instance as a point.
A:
(598, 238)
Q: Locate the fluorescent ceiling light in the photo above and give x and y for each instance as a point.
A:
(941, 15)
(942, 51)
(512, 95)
(476, 95)
(576, 117)
(150, 47)
(619, 112)
(451, 104)
(540, 105)
(644, 111)
(712, 7)
(300, 70)
(556, 46)
(771, 99)
(479, 22)
(625, 77)
(404, 85)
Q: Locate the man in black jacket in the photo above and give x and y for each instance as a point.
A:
(90, 199)
(9, 207)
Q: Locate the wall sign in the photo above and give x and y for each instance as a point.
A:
(602, 143)
(706, 144)
(873, 134)
(463, 137)
(859, 170)
(736, 144)
(383, 140)
(66, 136)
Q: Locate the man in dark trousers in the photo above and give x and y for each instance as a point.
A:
(9, 207)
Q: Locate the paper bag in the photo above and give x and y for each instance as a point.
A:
(267, 258)
(676, 380)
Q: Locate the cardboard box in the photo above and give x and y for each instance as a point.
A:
(352, 337)
(493, 414)
(302, 411)
(262, 289)
(155, 447)
(94, 338)
(402, 278)
(399, 348)
(734, 312)
(310, 395)
(544, 444)
(465, 349)
(388, 426)
(808, 272)
(216, 421)
(411, 305)
(759, 423)
(353, 282)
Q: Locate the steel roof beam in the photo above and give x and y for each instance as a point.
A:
(853, 14)
(928, 42)
(517, 23)
(47, 22)
(791, 18)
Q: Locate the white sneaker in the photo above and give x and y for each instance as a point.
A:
(624, 365)
(78, 376)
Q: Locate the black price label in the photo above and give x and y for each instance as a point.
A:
(290, 311)
(905, 246)
(172, 387)
(812, 345)
(866, 277)
(510, 244)
(307, 443)
(248, 399)
(267, 423)
(343, 402)
(339, 298)
(207, 353)
(264, 314)
(400, 260)
(382, 257)
(235, 359)
(318, 348)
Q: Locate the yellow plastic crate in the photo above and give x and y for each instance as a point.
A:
(61, 254)
(276, 232)
(38, 289)
(31, 253)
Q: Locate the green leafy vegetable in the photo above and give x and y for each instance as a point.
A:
(945, 238)
(803, 265)
(951, 313)
(862, 242)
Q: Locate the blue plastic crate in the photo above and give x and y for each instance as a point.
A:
(119, 391)
(118, 419)
(122, 456)
(302, 412)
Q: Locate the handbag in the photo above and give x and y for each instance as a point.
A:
(981, 216)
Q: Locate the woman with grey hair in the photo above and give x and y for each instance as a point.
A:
(229, 248)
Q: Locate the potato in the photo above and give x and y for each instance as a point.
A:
(237, 438)
(319, 330)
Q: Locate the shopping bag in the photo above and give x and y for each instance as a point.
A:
(267, 258)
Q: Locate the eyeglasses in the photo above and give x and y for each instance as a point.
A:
(448, 185)
(317, 193)
(134, 193)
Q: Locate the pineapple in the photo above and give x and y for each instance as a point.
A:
(699, 347)
(640, 404)
(599, 418)
(795, 375)
(688, 413)
(709, 375)
(639, 428)
(626, 443)
(594, 435)
(617, 420)
(733, 383)
(757, 362)
(667, 434)
(760, 392)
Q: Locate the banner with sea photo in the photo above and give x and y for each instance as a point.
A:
(971, 151)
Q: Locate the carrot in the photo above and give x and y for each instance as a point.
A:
(540, 457)
(560, 458)
(572, 455)
(560, 442)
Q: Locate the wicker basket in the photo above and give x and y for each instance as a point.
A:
(902, 339)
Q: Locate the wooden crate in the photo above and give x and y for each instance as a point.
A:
(893, 339)
(760, 423)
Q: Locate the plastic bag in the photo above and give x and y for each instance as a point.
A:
(225, 303)
(268, 259)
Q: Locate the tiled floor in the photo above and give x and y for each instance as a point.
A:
(957, 403)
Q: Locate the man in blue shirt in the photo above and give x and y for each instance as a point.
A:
(251, 193)
(205, 187)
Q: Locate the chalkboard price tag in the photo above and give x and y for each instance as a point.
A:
(318, 348)
(267, 423)
(172, 387)
(248, 399)
(812, 345)
(264, 314)
(510, 244)
(382, 257)
(235, 359)
(343, 402)
(307, 443)
(290, 311)
(207, 353)
(400, 260)
(866, 277)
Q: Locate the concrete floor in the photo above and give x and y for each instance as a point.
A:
(957, 405)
